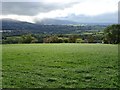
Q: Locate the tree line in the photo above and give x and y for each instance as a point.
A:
(111, 35)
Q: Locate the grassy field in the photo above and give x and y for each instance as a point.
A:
(60, 66)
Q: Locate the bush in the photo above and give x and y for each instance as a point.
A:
(79, 40)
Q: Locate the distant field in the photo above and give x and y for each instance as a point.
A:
(60, 66)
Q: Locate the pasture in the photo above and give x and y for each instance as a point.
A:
(60, 66)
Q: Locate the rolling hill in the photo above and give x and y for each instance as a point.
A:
(48, 26)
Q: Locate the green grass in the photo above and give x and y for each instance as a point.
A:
(0, 66)
(60, 66)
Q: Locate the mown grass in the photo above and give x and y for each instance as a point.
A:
(60, 66)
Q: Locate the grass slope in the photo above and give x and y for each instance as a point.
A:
(60, 66)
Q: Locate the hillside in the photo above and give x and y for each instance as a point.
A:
(39, 27)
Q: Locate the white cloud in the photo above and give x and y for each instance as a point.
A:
(18, 17)
(88, 8)
(83, 7)
(44, 1)
(95, 7)
(61, 1)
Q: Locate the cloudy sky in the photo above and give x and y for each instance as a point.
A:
(91, 11)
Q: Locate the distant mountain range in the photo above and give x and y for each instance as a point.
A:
(10, 24)
(20, 25)
(55, 22)
(48, 26)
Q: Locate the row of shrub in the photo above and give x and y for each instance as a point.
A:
(31, 38)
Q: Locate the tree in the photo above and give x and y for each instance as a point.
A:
(112, 34)
(72, 38)
(51, 39)
(90, 39)
(28, 39)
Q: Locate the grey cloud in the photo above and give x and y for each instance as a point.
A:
(119, 12)
(104, 18)
(30, 8)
